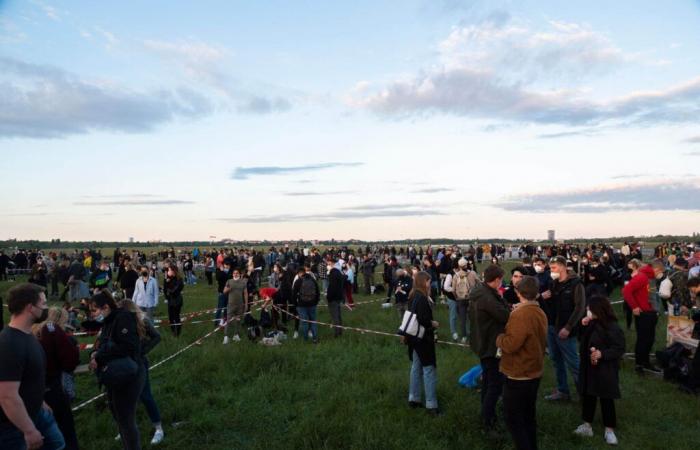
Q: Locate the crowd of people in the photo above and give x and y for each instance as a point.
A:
(556, 303)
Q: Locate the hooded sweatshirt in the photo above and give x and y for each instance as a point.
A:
(640, 292)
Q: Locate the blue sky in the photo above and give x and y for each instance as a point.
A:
(365, 119)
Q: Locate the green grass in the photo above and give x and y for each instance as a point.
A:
(351, 393)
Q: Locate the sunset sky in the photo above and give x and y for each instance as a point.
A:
(365, 119)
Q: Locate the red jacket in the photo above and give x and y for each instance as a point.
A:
(636, 292)
(62, 354)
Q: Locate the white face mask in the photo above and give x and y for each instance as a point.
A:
(539, 269)
(554, 275)
(589, 314)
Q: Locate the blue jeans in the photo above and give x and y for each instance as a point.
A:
(426, 376)
(564, 354)
(221, 304)
(147, 399)
(452, 305)
(11, 438)
(308, 313)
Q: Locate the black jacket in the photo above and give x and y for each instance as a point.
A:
(173, 291)
(601, 380)
(568, 304)
(336, 286)
(118, 338)
(425, 347)
(488, 315)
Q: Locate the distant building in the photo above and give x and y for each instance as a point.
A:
(131, 240)
(551, 235)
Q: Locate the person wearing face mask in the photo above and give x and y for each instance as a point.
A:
(663, 284)
(602, 347)
(564, 306)
(598, 277)
(26, 422)
(335, 296)
(641, 296)
(172, 288)
(146, 293)
(237, 290)
(120, 338)
(100, 279)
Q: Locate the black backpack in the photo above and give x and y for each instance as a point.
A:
(307, 292)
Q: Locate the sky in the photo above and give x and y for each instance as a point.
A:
(371, 120)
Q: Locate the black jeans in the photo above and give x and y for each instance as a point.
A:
(520, 411)
(56, 398)
(174, 319)
(607, 405)
(628, 314)
(209, 276)
(122, 403)
(645, 324)
(462, 308)
(292, 311)
(492, 387)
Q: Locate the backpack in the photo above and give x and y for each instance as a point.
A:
(461, 285)
(307, 292)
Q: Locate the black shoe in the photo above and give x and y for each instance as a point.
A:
(435, 412)
(415, 405)
(653, 368)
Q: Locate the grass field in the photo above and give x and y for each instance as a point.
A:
(351, 393)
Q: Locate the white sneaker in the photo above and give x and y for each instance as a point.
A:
(225, 340)
(464, 339)
(610, 437)
(455, 336)
(236, 338)
(309, 335)
(118, 437)
(296, 335)
(584, 430)
(157, 437)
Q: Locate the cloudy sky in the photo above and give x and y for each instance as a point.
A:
(362, 119)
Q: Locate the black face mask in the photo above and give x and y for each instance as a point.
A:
(144, 274)
(44, 315)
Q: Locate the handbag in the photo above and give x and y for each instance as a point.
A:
(410, 326)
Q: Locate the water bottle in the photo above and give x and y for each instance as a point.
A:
(676, 308)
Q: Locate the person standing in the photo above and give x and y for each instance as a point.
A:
(307, 295)
(421, 351)
(463, 281)
(172, 290)
(146, 293)
(602, 347)
(523, 344)
(489, 315)
(119, 338)
(641, 296)
(368, 266)
(62, 356)
(26, 422)
(565, 306)
(335, 296)
(404, 284)
(223, 274)
(237, 290)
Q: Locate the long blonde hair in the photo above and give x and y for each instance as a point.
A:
(419, 281)
(57, 316)
(128, 305)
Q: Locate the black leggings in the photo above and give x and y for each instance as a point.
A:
(174, 319)
(56, 398)
(607, 405)
(122, 403)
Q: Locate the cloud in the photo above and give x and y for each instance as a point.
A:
(48, 10)
(41, 101)
(204, 63)
(692, 140)
(493, 70)
(432, 190)
(349, 213)
(316, 194)
(676, 196)
(122, 196)
(694, 153)
(133, 202)
(242, 173)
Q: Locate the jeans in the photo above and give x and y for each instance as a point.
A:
(491, 389)
(336, 319)
(324, 283)
(645, 324)
(147, 399)
(564, 354)
(308, 313)
(11, 438)
(122, 403)
(221, 303)
(607, 406)
(452, 305)
(426, 376)
(520, 411)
